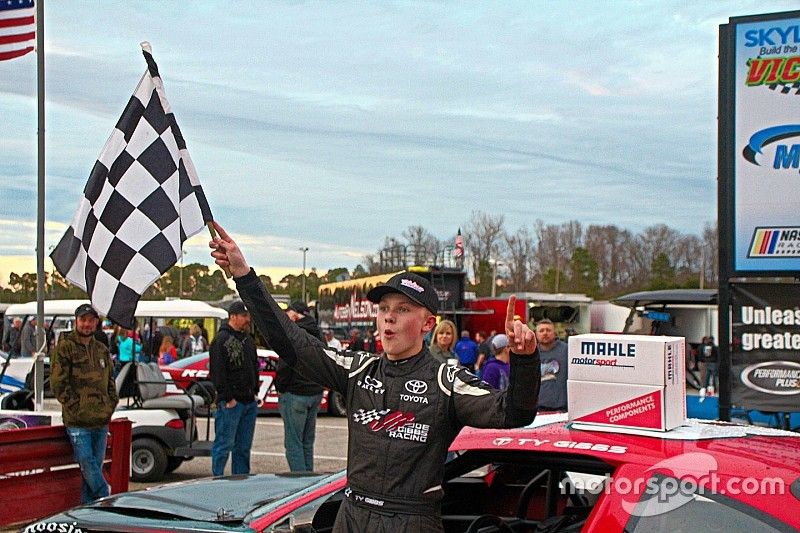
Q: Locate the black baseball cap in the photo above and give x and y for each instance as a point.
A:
(298, 306)
(237, 308)
(413, 286)
(86, 309)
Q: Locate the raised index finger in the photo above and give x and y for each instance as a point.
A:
(512, 300)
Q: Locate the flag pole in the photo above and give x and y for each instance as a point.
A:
(38, 386)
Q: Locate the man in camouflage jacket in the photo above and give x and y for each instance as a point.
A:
(81, 377)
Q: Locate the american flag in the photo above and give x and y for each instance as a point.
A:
(459, 249)
(17, 28)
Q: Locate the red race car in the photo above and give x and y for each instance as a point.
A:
(191, 374)
(547, 477)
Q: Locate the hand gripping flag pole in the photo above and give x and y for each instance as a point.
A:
(143, 199)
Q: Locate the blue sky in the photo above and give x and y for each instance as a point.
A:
(332, 125)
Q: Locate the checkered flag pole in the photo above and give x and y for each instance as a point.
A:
(142, 201)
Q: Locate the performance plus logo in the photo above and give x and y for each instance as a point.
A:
(775, 242)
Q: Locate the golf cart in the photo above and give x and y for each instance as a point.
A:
(164, 432)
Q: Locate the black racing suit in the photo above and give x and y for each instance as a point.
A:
(402, 417)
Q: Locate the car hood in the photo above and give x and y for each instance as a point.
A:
(222, 499)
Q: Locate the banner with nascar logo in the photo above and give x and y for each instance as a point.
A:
(765, 144)
(765, 352)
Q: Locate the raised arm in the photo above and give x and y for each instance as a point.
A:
(295, 346)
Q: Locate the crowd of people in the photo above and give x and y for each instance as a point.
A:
(165, 345)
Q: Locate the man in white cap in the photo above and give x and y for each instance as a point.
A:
(496, 370)
(404, 408)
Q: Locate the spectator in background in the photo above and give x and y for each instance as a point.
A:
(356, 344)
(234, 372)
(484, 349)
(13, 338)
(332, 341)
(100, 335)
(369, 341)
(194, 343)
(709, 354)
(28, 338)
(496, 370)
(444, 339)
(126, 347)
(170, 330)
(167, 353)
(150, 347)
(299, 399)
(553, 354)
(467, 351)
(50, 336)
(203, 331)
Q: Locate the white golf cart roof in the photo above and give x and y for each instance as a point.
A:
(145, 309)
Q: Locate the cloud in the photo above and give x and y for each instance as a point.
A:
(353, 121)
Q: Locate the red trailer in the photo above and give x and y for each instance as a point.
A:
(571, 313)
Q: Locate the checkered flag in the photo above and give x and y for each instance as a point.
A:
(363, 416)
(142, 201)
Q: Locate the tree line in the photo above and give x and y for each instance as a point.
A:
(601, 261)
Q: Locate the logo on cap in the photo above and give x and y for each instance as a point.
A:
(411, 285)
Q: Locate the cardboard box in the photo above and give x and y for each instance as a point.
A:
(631, 381)
(628, 406)
(632, 359)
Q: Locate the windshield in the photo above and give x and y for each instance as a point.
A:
(224, 499)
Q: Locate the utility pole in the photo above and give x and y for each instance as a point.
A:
(494, 262)
(558, 271)
(304, 249)
(702, 267)
(180, 276)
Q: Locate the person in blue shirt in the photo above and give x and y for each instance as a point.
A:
(467, 351)
(127, 348)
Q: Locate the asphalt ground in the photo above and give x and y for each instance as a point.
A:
(267, 454)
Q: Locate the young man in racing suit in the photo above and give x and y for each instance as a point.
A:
(404, 409)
